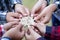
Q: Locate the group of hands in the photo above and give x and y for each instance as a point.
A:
(42, 15)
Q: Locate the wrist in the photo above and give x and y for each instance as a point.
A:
(43, 30)
(6, 36)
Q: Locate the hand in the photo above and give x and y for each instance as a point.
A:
(46, 14)
(32, 35)
(11, 17)
(38, 7)
(41, 27)
(16, 33)
(9, 25)
(22, 10)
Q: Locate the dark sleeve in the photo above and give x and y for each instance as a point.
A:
(42, 38)
(52, 32)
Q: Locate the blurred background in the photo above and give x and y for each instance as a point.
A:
(29, 3)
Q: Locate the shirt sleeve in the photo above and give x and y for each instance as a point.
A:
(2, 17)
(5, 38)
(52, 32)
(42, 38)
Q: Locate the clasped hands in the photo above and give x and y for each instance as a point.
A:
(41, 15)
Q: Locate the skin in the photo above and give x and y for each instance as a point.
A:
(16, 33)
(9, 25)
(32, 35)
(41, 27)
(11, 17)
(46, 14)
(41, 13)
(38, 7)
(20, 11)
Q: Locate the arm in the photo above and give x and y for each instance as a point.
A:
(52, 32)
(16, 35)
(6, 27)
